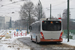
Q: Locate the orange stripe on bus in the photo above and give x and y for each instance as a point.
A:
(51, 40)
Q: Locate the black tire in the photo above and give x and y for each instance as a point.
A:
(31, 39)
(36, 40)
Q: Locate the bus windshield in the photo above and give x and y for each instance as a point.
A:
(51, 25)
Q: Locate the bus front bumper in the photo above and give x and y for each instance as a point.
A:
(51, 40)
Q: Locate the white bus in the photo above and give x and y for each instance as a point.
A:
(46, 30)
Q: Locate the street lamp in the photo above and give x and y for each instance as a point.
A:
(50, 11)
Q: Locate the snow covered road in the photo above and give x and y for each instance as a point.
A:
(45, 45)
(10, 42)
(24, 43)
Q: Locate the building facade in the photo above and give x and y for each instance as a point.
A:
(2, 22)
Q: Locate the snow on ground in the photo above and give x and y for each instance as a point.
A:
(12, 43)
(71, 42)
(4, 47)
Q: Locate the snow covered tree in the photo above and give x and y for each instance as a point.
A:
(27, 12)
(30, 12)
(39, 13)
(64, 19)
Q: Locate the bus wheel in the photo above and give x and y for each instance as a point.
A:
(36, 40)
(31, 39)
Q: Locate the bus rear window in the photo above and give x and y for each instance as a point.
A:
(51, 25)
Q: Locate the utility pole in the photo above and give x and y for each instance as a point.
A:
(50, 11)
(68, 19)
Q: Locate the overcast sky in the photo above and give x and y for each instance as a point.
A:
(57, 8)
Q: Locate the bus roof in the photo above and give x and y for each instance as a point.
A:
(50, 19)
(46, 19)
(35, 22)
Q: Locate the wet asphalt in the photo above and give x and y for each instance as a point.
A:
(45, 45)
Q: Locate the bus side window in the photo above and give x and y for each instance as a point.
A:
(39, 28)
